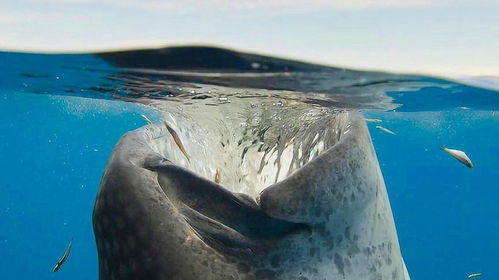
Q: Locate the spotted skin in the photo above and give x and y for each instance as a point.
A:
(331, 219)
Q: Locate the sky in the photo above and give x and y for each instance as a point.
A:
(440, 37)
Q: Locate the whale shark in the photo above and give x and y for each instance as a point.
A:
(297, 206)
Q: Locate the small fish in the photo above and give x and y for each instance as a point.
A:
(385, 129)
(176, 139)
(148, 121)
(474, 275)
(373, 120)
(64, 257)
(218, 176)
(459, 155)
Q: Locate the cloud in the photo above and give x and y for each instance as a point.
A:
(431, 39)
(191, 6)
(15, 17)
(256, 5)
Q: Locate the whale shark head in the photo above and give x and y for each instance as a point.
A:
(293, 200)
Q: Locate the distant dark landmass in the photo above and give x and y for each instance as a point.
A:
(208, 59)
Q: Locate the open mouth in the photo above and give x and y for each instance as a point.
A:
(181, 202)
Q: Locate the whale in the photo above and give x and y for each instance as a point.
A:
(309, 209)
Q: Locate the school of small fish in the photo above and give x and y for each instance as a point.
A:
(457, 154)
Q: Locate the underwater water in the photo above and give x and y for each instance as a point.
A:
(63, 114)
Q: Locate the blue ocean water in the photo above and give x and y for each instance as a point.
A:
(63, 114)
(53, 151)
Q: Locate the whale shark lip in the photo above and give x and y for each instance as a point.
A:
(207, 205)
(275, 200)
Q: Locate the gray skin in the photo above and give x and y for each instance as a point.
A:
(331, 219)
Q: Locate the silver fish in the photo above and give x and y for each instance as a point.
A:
(148, 121)
(385, 129)
(474, 275)
(64, 257)
(176, 138)
(459, 155)
(373, 120)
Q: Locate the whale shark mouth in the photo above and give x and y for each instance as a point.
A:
(182, 192)
(250, 159)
